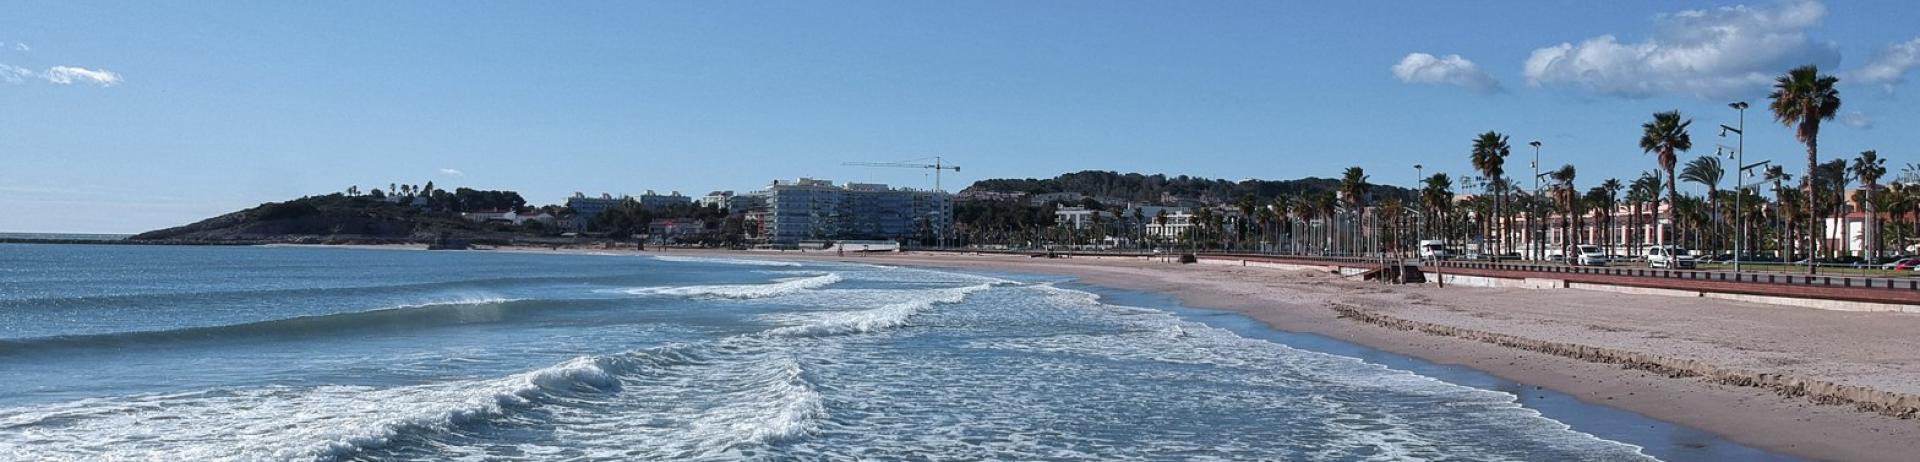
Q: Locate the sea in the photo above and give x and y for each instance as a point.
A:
(120, 352)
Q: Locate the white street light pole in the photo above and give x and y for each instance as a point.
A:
(1533, 209)
(1739, 160)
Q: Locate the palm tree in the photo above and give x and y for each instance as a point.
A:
(1666, 134)
(1160, 218)
(1246, 205)
(1645, 189)
(1611, 202)
(1564, 176)
(1140, 222)
(1353, 192)
(1778, 175)
(1437, 195)
(1901, 203)
(1706, 170)
(1869, 167)
(1490, 152)
(1830, 183)
(1802, 99)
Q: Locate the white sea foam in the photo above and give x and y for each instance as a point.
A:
(743, 291)
(280, 423)
(869, 320)
(724, 261)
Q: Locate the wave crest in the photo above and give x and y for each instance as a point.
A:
(744, 291)
(885, 317)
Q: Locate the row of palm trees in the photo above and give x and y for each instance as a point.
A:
(1345, 221)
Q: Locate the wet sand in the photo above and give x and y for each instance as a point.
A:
(1641, 353)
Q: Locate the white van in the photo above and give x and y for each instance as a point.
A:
(1588, 255)
(1667, 256)
(1434, 250)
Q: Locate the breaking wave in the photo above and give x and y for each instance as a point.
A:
(744, 291)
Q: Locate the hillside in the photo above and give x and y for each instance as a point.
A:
(329, 218)
(1135, 187)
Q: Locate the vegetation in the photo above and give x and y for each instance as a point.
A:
(1802, 99)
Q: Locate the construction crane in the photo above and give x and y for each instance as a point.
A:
(937, 166)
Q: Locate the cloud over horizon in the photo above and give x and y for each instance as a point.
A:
(1857, 119)
(1445, 70)
(67, 75)
(63, 75)
(452, 172)
(1702, 53)
(1890, 66)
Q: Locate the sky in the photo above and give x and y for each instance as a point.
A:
(120, 117)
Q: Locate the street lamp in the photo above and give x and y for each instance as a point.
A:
(1739, 159)
(1533, 211)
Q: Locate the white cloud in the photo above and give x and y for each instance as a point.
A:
(1705, 53)
(21, 47)
(1446, 70)
(452, 172)
(67, 75)
(1891, 65)
(14, 74)
(1857, 119)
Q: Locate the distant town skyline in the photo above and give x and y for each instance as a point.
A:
(119, 118)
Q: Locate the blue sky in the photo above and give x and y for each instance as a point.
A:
(127, 116)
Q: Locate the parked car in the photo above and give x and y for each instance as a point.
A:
(1589, 255)
(1894, 262)
(1904, 264)
(1667, 256)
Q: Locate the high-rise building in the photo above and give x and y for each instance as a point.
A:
(652, 201)
(810, 209)
(585, 209)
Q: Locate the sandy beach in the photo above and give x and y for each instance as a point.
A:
(1586, 334)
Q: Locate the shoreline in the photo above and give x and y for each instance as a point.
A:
(1304, 302)
(1869, 350)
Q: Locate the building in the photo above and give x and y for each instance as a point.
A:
(1179, 220)
(483, 216)
(1080, 217)
(1049, 198)
(666, 229)
(586, 209)
(652, 201)
(734, 203)
(810, 209)
(508, 216)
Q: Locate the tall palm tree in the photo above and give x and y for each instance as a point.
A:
(1436, 194)
(1778, 175)
(1645, 189)
(1327, 207)
(1830, 180)
(1802, 99)
(1353, 193)
(1706, 171)
(1611, 201)
(1246, 205)
(1663, 136)
(1564, 176)
(1869, 167)
(1490, 152)
(1902, 201)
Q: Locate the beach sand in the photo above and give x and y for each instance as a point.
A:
(1502, 331)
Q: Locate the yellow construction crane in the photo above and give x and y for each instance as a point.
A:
(937, 166)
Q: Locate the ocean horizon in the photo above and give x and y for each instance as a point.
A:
(303, 353)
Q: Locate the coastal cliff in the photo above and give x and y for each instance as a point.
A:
(334, 219)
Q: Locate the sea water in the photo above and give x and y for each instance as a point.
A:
(261, 353)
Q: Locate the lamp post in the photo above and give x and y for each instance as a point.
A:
(1533, 209)
(1419, 176)
(1739, 159)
